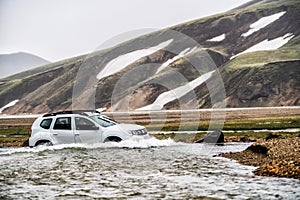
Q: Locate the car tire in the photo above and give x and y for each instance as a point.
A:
(44, 143)
(113, 139)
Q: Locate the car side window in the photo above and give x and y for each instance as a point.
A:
(84, 124)
(62, 123)
(46, 123)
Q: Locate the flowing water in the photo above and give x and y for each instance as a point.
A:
(147, 169)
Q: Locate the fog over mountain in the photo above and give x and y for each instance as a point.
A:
(17, 62)
(57, 30)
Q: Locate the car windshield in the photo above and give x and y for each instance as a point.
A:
(103, 120)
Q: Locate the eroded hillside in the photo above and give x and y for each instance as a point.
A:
(245, 57)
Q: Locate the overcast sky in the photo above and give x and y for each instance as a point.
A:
(59, 29)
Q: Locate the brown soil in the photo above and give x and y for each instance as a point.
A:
(278, 157)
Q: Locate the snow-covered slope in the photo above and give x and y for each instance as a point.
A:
(268, 44)
(10, 104)
(176, 93)
(154, 70)
(218, 38)
(263, 22)
(183, 53)
(123, 61)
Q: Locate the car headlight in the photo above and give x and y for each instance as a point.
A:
(138, 132)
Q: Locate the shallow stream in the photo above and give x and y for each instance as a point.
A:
(147, 169)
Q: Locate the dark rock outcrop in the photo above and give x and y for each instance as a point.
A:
(271, 136)
(258, 149)
(212, 137)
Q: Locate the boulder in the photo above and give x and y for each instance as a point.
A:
(271, 136)
(212, 137)
(258, 149)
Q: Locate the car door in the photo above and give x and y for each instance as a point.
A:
(62, 131)
(86, 131)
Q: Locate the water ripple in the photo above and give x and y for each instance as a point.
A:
(136, 170)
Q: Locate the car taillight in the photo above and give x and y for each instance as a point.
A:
(30, 131)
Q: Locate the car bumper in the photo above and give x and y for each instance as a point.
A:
(139, 137)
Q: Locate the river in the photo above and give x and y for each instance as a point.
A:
(146, 169)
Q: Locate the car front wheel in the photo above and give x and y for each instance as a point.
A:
(113, 139)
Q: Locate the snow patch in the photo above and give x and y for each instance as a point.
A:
(217, 38)
(123, 61)
(176, 93)
(101, 109)
(9, 105)
(263, 22)
(180, 55)
(268, 44)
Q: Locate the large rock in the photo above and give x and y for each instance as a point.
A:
(271, 136)
(258, 149)
(212, 137)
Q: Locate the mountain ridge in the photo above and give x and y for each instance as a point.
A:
(17, 62)
(123, 91)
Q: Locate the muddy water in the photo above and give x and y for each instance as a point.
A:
(148, 169)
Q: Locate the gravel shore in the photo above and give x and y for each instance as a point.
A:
(278, 157)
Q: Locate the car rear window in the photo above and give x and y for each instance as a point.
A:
(63, 123)
(46, 123)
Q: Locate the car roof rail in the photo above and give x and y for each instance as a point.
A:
(80, 112)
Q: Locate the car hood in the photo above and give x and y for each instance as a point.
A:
(129, 127)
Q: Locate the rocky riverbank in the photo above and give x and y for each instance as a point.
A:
(279, 157)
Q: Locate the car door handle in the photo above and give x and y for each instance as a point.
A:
(55, 133)
(77, 133)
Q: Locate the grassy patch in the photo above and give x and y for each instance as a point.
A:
(270, 123)
(13, 136)
(257, 59)
(10, 85)
(182, 137)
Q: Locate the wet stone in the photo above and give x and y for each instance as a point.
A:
(258, 149)
(212, 137)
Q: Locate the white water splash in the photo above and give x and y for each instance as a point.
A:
(130, 143)
(143, 143)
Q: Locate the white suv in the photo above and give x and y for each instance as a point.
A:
(81, 126)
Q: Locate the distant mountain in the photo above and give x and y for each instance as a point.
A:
(17, 62)
(246, 57)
